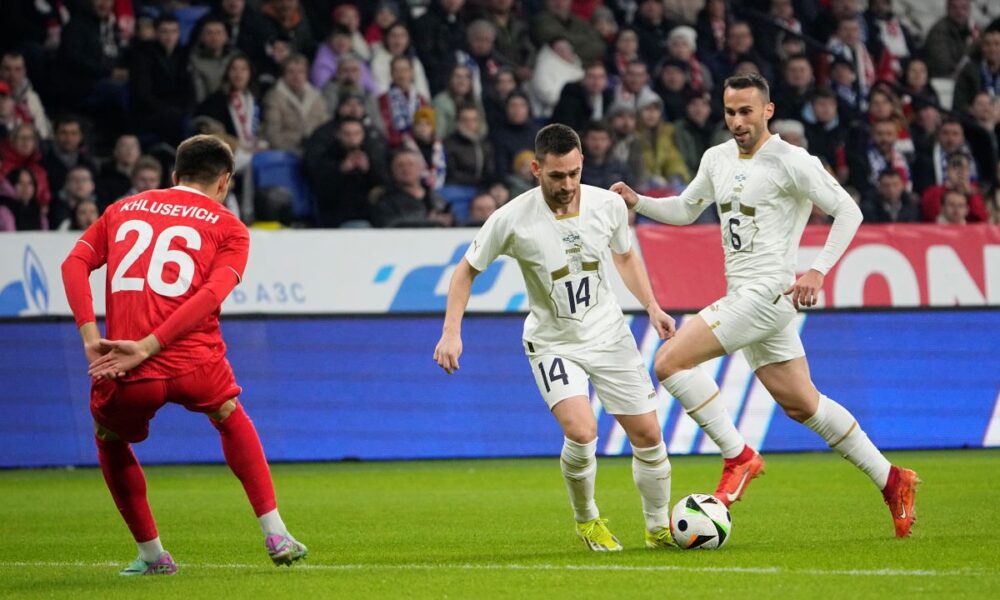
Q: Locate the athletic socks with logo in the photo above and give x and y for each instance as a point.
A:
(579, 468)
(651, 472)
(699, 395)
(841, 430)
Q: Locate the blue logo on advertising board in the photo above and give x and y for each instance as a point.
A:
(29, 292)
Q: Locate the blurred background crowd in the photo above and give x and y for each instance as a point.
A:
(422, 113)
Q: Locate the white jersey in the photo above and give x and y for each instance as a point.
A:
(564, 261)
(764, 202)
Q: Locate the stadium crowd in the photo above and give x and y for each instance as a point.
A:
(409, 113)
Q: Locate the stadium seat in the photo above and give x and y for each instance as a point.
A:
(188, 17)
(276, 168)
(458, 196)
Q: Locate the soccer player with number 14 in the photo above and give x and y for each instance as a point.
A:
(172, 256)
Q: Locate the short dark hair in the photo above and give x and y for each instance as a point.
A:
(889, 173)
(749, 80)
(65, 119)
(203, 159)
(598, 126)
(167, 17)
(557, 139)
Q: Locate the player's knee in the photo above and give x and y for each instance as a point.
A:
(104, 434)
(581, 433)
(224, 411)
(668, 363)
(645, 438)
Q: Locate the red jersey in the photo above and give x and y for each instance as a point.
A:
(161, 247)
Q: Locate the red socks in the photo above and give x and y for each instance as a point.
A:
(245, 457)
(127, 484)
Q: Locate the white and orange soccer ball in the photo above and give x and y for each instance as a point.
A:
(700, 521)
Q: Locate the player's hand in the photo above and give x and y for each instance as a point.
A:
(120, 357)
(94, 350)
(627, 193)
(664, 323)
(805, 291)
(447, 351)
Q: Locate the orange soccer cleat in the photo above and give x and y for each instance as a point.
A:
(900, 494)
(736, 475)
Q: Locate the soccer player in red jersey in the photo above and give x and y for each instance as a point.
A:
(172, 256)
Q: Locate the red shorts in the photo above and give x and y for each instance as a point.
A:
(127, 407)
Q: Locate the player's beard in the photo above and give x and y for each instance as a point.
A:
(557, 198)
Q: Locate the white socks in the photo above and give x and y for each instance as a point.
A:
(699, 395)
(579, 469)
(151, 550)
(841, 431)
(271, 523)
(651, 472)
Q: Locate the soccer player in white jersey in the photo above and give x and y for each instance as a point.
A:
(763, 188)
(565, 236)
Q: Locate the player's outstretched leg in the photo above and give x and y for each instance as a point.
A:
(127, 484)
(245, 457)
(578, 463)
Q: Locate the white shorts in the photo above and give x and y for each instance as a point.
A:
(617, 370)
(762, 327)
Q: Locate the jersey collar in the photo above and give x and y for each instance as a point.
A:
(185, 188)
(762, 146)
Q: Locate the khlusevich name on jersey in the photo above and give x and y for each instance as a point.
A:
(174, 210)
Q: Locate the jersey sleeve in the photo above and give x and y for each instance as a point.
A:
(489, 243)
(621, 241)
(88, 254)
(685, 208)
(233, 252)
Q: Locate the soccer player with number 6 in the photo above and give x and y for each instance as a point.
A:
(172, 256)
(563, 236)
(764, 189)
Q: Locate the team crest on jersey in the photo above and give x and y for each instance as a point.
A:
(571, 239)
(740, 177)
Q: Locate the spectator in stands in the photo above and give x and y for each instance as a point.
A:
(519, 178)
(956, 178)
(673, 88)
(66, 151)
(557, 21)
(949, 39)
(88, 72)
(28, 105)
(557, 65)
(354, 104)
(825, 131)
(349, 78)
(209, 58)
(739, 47)
(386, 14)
(791, 131)
(9, 117)
(481, 207)
(929, 169)
(985, 111)
(696, 132)
(20, 151)
(516, 133)
(469, 152)
(115, 176)
(663, 164)
(847, 44)
(348, 17)
(495, 98)
(406, 202)
(338, 46)
(424, 139)
(877, 153)
(285, 18)
(438, 34)
(398, 105)
(627, 147)
(20, 208)
(247, 29)
(342, 172)
(293, 109)
(459, 92)
(829, 18)
(924, 128)
(146, 175)
(887, 36)
(954, 208)
(602, 169)
(235, 106)
(682, 44)
(982, 75)
(653, 28)
(711, 26)
(626, 50)
(843, 82)
(796, 88)
(883, 103)
(916, 86)
(513, 39)
(84, 215)
(889, 201)
(581, 102)
(397, 43)
(79, 187)
(634, 86)
(276, 52)
(479, 54)
(992, 198)
(162, 94)
(770, 35)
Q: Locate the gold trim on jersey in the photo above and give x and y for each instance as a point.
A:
(749, 211)
(567, 216)
(590, 266)
(560, 273)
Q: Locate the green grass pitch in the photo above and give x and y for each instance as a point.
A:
(813, 527)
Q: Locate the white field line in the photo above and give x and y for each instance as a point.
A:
(538, 567)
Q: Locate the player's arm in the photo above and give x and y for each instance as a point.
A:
(675, 210)
(811, 181)
(636, 279)
(88, 254)
(449, 347)
(224, 275)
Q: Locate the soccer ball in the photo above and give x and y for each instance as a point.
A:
(700, 521)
